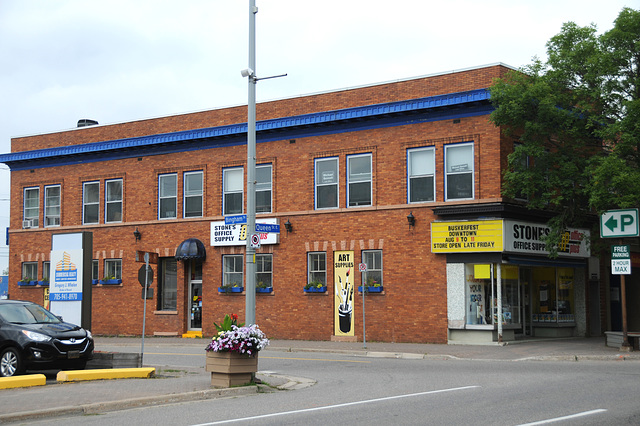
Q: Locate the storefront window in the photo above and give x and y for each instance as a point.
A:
(551, 302)
(482, 294)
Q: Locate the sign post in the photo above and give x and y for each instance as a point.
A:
(363, 268)
(619, 224)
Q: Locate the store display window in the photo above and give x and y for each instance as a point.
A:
(482, 294)
(552, 295)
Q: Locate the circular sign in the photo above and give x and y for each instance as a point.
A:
(255, 240)
(362, 267)
(142, 276)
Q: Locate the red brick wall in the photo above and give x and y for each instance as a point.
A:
(413, 307)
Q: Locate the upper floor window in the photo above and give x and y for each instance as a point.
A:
(31, 207)
(359, 189)
(233, 184)
(113, 201)
(90, 202)
(263, 189)
(193, 194)
(421, 170)
(459, 171)
(168, 196)
(52, 205)
(326, 183)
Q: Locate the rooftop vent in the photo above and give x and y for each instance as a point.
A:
(84, 122)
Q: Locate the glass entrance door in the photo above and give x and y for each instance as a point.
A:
(195, 295)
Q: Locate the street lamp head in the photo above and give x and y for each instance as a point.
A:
(247, 72)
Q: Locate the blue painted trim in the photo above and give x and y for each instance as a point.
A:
(433, 108)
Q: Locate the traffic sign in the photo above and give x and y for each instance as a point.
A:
(362, 267)
(232, 220)
(268, 227)
(255, 241)
(145, 278)
(619, 223)
(621, 260)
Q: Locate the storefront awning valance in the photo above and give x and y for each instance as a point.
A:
(191, 248)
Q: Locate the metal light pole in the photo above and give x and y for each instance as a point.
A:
(250, 261)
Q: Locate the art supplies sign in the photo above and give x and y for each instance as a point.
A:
(343, 277)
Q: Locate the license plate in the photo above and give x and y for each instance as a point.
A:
(73, 354)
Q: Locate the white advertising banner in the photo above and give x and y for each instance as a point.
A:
(527, 237)
(236, 234)
(66, 278)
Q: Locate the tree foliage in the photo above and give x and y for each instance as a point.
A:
(577, 120)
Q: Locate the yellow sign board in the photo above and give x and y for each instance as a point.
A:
(466, 236)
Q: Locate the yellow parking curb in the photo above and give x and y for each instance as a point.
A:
(22, 381)
(106, 373)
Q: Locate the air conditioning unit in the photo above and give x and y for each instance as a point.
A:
(27, 223)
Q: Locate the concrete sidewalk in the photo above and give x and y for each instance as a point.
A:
(57, 399)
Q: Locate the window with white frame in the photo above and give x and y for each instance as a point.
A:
(233, 270)
(326, 183)
(459, 171)
(317, 267)
(52, 205)
(421, 168)
(30, 271)
(46, 270)
(113, 201)
(263, 188)
(31, 207)
(264, 270)
(168, 196)
(90, 202)
(359, 180)
(373, 274)
(113, 269)
(193, 194)
(233, 186)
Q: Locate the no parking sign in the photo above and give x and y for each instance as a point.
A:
(255, 241)
(362, 267)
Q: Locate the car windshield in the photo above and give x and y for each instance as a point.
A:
(27, 314)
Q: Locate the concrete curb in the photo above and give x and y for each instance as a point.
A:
(22, 381)
(105, 374)
(102, 407)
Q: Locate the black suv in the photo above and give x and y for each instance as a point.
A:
(33, 338)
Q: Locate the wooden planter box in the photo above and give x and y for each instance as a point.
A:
(231, 368)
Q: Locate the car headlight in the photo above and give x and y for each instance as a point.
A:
(89, 335)
(36, 337)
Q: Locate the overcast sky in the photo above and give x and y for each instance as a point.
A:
(123, 60)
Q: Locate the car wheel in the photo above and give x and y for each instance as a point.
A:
(10, 362)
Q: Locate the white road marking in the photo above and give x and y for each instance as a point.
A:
(328, 407)
(572, 416)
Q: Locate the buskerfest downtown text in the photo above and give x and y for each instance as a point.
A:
(504, 235)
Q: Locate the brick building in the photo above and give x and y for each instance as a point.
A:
(404, 177)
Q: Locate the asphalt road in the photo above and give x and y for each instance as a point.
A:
(352, 389)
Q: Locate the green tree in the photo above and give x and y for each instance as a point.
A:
(576, 118)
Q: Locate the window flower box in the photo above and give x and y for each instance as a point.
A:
(95, 282)
(321, 289)
(111, 282)
(44, 283)
(264, 289)
(230, 289)
(371, 289)
(27, 283)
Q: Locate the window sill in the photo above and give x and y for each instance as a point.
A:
(165, 312)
